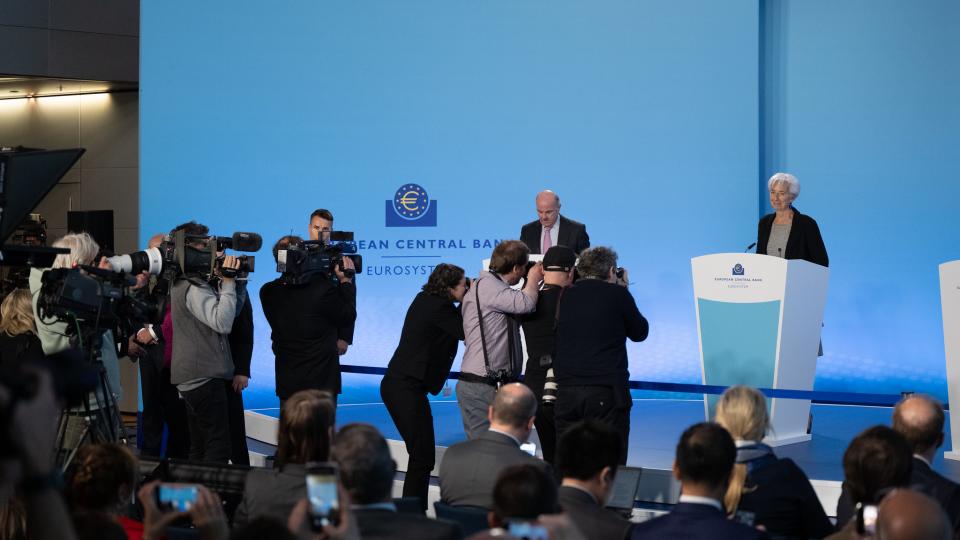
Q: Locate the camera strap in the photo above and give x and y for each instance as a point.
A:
(483, 336)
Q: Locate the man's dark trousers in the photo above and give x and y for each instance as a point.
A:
(604, 403)
(209, 422)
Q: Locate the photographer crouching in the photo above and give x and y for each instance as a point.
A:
(203, 311)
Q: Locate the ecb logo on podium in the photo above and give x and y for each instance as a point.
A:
(411, 207)
(738, 269)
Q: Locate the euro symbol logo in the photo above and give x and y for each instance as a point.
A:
(409, 200)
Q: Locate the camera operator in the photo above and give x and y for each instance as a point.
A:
(202, 317)
(597, 315)
(161, 401)
(540, 332)
(54, 337)
(321, 223)
(304, 321)
(493, 353)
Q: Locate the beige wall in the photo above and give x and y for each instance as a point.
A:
(105, 178)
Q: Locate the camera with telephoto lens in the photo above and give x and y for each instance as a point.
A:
(180, 253)
(299, 262)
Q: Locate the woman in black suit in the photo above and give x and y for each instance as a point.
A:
(421, 365)
(765, 490)
(787, 233)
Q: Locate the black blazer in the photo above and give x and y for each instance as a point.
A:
(804, 241)
(779, 497)
(304, 322)
(428, 342)
(691, 522)
(590, 518)
(572, 234)
(377, 524)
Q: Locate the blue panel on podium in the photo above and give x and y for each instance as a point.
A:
(739, 343)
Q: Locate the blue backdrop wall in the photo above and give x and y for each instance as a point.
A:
(653, 120)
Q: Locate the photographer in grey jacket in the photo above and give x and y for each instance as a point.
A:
(202, 319)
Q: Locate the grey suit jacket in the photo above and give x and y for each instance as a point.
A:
(272, 492)
(590, 517)
(469, 469)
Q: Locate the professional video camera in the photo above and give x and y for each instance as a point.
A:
(181, 253)
(300, 262)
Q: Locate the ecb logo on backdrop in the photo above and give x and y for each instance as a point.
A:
(411, 207)
(738, 269)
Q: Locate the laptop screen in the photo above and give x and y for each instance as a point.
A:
(624, 488)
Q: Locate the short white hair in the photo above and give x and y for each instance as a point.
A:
(83, 249)
(793, 185)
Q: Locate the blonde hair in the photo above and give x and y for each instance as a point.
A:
(83, 249)
(16, 313)
(742, 411)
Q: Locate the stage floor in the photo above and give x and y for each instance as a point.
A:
(656, 426)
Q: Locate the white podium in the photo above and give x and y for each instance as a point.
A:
(950, 306)
(759, 321)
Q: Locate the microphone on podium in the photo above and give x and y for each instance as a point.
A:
(751, 246)
(780, 252)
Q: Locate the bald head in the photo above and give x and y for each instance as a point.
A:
(920, 420)
(909, 515)
(513, 407)
(548, 208)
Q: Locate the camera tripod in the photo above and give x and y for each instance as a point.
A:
(97, 419)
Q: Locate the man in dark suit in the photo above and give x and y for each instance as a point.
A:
(703, 465)
(920, 420)
(469, 469)
(587, 459)
(552, 229)
(305, 319)
(366, 472)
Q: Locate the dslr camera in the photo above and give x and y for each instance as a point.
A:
(180, 254)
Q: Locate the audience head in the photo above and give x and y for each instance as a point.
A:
(704, 460)
(522, 492)
(920, 419)
(16, 313)
(101, 478)
(261, 528)
(742, 411)
(83, 250)
(306, 427)
(446, 281)
(283, 243)
(597, 263)
(510, 257)
(588, 454)
(513, 410)
(877, 459)
(366, 468)
(910, 515)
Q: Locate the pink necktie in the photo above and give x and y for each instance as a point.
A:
(546, 240)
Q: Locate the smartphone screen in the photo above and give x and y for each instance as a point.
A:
(322, 494)
(176, 497)
(525, 530)
(530, 448)
(867, 519)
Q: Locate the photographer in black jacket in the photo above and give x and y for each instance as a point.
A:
(304, 321)
(540, 333)
(598, 314)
